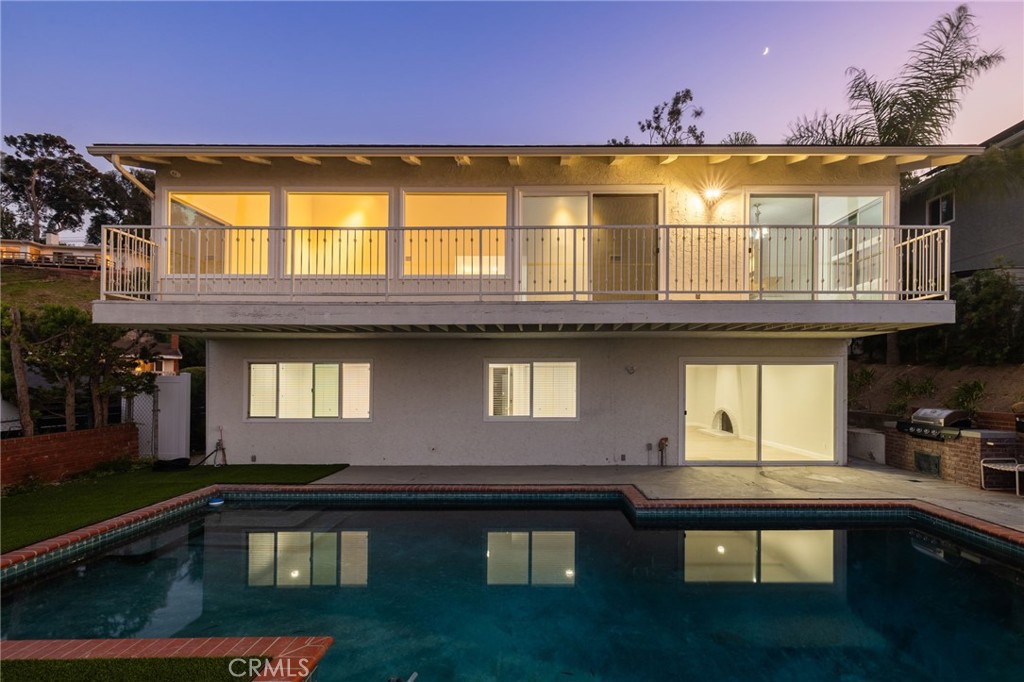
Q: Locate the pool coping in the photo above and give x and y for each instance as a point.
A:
(288, 655)
(637, 501)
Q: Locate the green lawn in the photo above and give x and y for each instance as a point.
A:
(33, 287)
(122, 670)
(43, 513)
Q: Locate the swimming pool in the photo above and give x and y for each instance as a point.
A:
(542, 594)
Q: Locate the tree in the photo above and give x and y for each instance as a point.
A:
(55, 350)
(111, 355)
(10, 225)
(665, 126)
(989, 328)
(740, 137)
(119, 201)
(918, 105)
(48, 185)
(14, 359)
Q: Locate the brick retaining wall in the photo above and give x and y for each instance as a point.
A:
(54, 457)
(999, 421)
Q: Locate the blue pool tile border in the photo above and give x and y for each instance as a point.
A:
(39, 559)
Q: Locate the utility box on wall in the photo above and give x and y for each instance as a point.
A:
(174, 417)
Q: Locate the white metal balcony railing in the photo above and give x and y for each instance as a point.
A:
(662, 262)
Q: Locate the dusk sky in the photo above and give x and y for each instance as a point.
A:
(474, 73)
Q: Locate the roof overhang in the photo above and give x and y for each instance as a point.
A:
(156, 155)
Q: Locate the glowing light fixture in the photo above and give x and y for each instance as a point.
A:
(721, 549)
(294, 574)
(711, 195)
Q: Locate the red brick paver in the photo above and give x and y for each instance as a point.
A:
(290, 658)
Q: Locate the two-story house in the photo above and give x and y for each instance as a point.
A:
(528, 304)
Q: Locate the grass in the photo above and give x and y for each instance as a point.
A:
(33, 287)
(121, 670)
(45, 512)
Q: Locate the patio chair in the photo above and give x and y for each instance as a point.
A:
(1007, 464)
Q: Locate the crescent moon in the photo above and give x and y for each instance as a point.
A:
(765, 53)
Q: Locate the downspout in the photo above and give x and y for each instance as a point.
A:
(115, 159)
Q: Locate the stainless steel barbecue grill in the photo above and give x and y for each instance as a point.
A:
(935, 423)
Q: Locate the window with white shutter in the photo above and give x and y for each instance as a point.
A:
(532, 390)
(309, 390)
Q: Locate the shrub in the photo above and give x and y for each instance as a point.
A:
(967, 396)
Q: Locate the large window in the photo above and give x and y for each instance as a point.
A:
(227, 238)
(538, 390)
(540, 557)
(451, 236)
(309, 390)
(940, 210)
(302, 558)
(337, 233)
(767, 413)
(767, 556)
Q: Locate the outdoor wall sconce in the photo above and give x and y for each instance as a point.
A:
(711, 196)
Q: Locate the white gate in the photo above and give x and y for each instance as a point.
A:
(174, 416)
(163, 418)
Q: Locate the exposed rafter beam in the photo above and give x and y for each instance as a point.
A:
(566, 160)
(360, 160)
(757, 158)
(665, 160)
(833, 158)
(462, 160)
(870, 158)
(616, 160)
(947, 160)
(205, 159)
(910, 158)
(515, 160)
(255, 159)
(311, 160)
(412, 160)
(153, 159)
(796, 158)
(714, 159)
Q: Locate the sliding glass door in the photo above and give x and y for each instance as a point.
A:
(759, 413)
(835, 261)
(600, 246)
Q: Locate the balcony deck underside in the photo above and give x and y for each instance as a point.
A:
(804, 319)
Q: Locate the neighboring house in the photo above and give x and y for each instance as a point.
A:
(51, 252)
(164, 357)
(981, 203)
(527, 305)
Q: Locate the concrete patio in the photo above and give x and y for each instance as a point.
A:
(859, 480)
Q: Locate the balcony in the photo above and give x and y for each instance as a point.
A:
(580, 264)
(661, 274)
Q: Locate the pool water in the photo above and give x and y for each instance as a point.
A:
(575, 595)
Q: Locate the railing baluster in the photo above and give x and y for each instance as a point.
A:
(529, 263)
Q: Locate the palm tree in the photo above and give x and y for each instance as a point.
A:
(919, 104)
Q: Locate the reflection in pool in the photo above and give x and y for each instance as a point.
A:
(545, 594)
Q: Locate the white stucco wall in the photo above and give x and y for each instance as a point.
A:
(682, 181)
(428, 403)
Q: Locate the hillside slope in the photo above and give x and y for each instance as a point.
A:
(32, 287)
